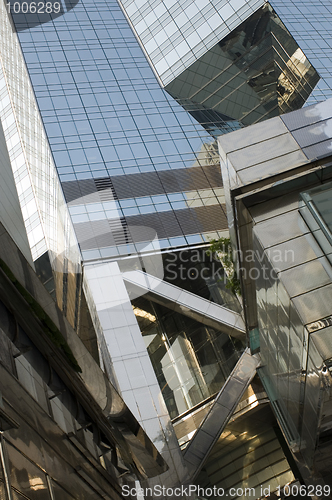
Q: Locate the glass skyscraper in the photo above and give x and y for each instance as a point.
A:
(128, 157)
(287, 285)
(139, 168)
(106, 116)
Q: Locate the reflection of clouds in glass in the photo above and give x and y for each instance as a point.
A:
(320, 111)
(327, 128)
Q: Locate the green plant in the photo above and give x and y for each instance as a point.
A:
(49, 328)
(223, 249)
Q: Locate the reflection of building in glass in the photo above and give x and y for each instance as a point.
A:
(258, 72)
(63, 435)
(65, 432)
(191, 360)
(141, 182)
(288, 286)
(251, 71)
(252, 440)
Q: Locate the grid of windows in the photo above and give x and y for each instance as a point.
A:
(106, 116)
(26, 468)
(310, 24)
(45, 215)
(176, 32)
(145, 205)
(104, 111)
(256, 72)
(163, 26)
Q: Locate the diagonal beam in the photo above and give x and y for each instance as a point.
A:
(186, 303)
(220, 412)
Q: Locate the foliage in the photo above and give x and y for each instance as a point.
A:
(223, 249)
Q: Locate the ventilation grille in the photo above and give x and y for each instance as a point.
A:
(120, 231)
(118, 227)
(105, 189)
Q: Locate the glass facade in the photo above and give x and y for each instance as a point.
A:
(309, 23)
(256, 72)
(138, 171)
(11, 215)
(285, 259)
(315, 207)
(292, 366)
(50, 233)
(319, 200)
(45, 411)
(201, 274)
(191, 360)
(226, 63)
(64, 430)
(177, 32)
(284, 355)
(131, 161)
(110, 125)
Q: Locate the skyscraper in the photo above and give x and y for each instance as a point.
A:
(64, 430)
(225, 62)
(141, 174)
(278, 177)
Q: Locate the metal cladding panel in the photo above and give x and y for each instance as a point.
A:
(323, 342)
(278, 145)
(221, 411)
(308, 115)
